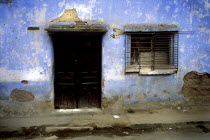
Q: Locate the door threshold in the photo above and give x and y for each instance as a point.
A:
(78, 111)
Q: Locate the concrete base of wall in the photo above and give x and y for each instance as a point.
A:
(113, 106)
(25, 109)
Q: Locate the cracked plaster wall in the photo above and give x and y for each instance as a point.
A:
(28, 55)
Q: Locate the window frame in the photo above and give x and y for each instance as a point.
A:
(171, 68)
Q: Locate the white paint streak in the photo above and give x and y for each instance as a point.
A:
(149, 17)
(176, 10)
(182, 50)
(167, 8)
(128, 1)
(19, 75)
(205, 30)
(176, 2)
(125, 12)
(208, 41)
(191, 17)
(207, 5)
(1, 32)
(61, 4)
(37, 43)
(39, 16)
(115, 73)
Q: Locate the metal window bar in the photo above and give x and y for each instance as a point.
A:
(154, 50)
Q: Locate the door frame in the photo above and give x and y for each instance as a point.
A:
(99, 33)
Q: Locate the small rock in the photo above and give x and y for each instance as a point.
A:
(116, 116)
(185, 109)
(141, 95)
(126, 133)
(51, 138)
(179, 107)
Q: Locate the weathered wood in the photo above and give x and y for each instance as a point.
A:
(77, 72)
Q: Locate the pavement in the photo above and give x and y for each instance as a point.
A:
(87, 120)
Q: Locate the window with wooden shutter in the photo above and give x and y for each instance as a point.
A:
(152, 52)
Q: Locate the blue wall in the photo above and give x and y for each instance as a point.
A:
(28, 55)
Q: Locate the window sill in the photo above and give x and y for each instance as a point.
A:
(134, 69)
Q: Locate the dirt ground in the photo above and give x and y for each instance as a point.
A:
(185, 131)
(156, 135)
(180, 123)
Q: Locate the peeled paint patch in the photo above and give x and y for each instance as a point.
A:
(68, 15)
(117, 33)
(196, 87)
(21, 95)
(141, 95)
(166, 92)
(24, 82)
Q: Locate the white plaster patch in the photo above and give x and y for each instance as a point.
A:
(157, 7)
(45, 5)
(115, 73)
(1, 32)
(149, 17)
(200, 13)
(30, 16)
(1, 37)
(39, 16)
(194, 60)
(92, 2)
(175, 2)
(182, 50)
(207, 5)
(176, 10)
(100, 21)
(208, 41)
(205, 30)
(167, 8)
(19, 75)
(191, 17)
(99, 11)
(128, 1)
(125, 12)
(37, 43)
(61, 4)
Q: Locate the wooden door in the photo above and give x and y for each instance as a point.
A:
(77, 71)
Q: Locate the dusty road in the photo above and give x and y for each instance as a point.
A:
(157, 135)
(166, 135)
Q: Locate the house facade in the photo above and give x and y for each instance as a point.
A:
(116, 55)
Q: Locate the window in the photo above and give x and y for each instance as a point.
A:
(152, 52)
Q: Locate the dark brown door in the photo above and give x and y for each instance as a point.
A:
(77, 71)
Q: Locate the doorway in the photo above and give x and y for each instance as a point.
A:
(77, 70)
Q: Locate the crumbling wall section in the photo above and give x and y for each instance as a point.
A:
(196, 88)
